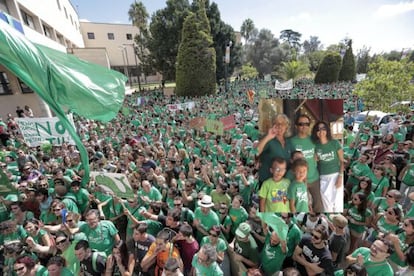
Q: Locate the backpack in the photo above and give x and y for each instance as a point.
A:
(95, 255)
(305, 219)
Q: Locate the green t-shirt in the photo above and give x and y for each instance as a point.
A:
(275, 194)
(293, 238)
(385, 227)
(378, 185)
(307, 147)
(211, 270)
(328, 157)
(82, 199)
(72, 263)
(358, 169)
(221, 245)
(237, 216)
(206, 221)
(373, 268)
(298, 191)
(101, 238)
(404, 246)
(408, 178)
(271, 257)
(353, 212)
(220, 198)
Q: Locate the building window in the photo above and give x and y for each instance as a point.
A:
(66, 13)
(111, 36)
(24, 87)
(4, 84)
(47, 31)
(129, 36)
(71, 19)
(58, 4)
(3, 6)
(91, 35)
(28, 20)
(60, 39)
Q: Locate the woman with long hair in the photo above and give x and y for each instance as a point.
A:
(384, 223)
(330, 157)
(359, 216)
(119, 262)
(365, 186)
(380, 181)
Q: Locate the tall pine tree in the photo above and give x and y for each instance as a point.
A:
(348, 69)
(328, 71)
(196, 59)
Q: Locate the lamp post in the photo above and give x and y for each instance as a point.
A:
(226, 65)
(125, 57)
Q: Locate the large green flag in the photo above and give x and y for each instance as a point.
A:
(63, 81)
(277, 223)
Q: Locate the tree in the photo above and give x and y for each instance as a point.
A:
(139, 16)
(348, 69)
(196, 60)
(165, 36)
(266, 53)
(246, 29)
(328, 71)
(311, 45)
(315, 59)
(248, 71)
(387, 82)
(393, 55)
(294, 70)
(363, 60)
(291, 37)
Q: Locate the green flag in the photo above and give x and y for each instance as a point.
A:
(64, 82)
(276, 222)
(6, 187)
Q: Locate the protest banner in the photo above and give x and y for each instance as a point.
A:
(37, 130)
(287, 85)
(197, 123)
(180, 106)
(6, 187)
(229, 122)
(215, 127)
(113, 183)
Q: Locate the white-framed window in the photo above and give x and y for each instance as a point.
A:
(111, 36)
(28, 19)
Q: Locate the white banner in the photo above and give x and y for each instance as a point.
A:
(360, 77)
(180, 106)
(37, 130)
(113, 184)
(287, 85)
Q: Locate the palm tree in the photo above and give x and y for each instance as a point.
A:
(294, 70)
(246, 29)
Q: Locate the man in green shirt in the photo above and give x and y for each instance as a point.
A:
(245, 247)
(407, 183)
(374, 259)
(273, 253)
(204, 217)
(204, 262)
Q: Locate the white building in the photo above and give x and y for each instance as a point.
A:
(53, 23)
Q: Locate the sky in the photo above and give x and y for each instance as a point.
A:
(382, 25)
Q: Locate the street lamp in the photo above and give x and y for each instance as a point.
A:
(226, 65)
(125, 57)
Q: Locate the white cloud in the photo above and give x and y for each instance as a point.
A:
(303, 16)
(84, 20)
(385, 11)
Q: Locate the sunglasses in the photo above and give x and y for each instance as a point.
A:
(60, 242)
(315, 236)
(19, 269)
(303, 124)
(389, 196)
(57, 210)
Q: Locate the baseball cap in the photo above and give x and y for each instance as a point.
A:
(243, 230)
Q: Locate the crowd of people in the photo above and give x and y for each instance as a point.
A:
(199, 196)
